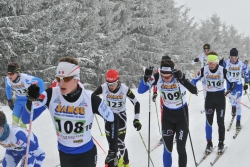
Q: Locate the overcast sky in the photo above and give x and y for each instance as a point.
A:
(236, 13)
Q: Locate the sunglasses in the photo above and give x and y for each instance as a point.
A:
(112, 83)
(64, 79)
(233, 57)
(211, 62)
(165, 72)
(10, 73)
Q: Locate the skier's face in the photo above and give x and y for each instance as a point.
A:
(67, 84)
(1, 130)
(212, 65)
(167, 77)
(206, 51)
(233, 59)
(12, 76)
(112, 86)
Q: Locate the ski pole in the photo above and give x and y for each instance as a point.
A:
(149, 125)
(98, 144)
(157, 118)
(145, 146)
(99, 126)
(28, 141)
(186, 119)
(238, 101)
(189, 99)
(248, 96)
(149, 113)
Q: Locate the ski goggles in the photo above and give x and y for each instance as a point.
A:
(165, 72)
(233, 57)
(112, 83)
(64, 79)
(10, 73)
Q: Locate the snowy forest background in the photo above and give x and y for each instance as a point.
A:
(123, 34)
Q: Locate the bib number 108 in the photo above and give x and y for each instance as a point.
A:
(66, 126)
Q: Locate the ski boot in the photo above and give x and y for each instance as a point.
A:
(209, 147)
(120, 162)
(220, 147)
(126, 164)
(238, 126)
(233, 111)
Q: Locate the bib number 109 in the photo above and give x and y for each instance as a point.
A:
(171, 96)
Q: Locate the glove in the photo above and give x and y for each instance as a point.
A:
(149, 71)
(245, 87)
(178, 74)
(33, 91)
(111, 159)
(227, 92)
(137, 124)
(221, 61)
(154, 96)
(11, 104)
(196, 59)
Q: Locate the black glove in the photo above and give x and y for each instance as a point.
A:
(111, 159)
(137, 124)
(221, 61)
(245, 87)
(154, 96)
(227, 92)
(196, 59)
(33, 92)
(148, 73)
(11, 104)
(178, 74)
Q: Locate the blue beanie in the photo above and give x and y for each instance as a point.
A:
(233, 52)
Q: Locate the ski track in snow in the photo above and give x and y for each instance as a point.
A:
(237, 153)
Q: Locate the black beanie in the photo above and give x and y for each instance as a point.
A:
(206, 46)
(166, 57)
(233, 52)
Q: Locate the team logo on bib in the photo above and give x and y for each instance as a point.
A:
(70, 109)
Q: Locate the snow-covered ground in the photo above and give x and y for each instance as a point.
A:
(237, 153)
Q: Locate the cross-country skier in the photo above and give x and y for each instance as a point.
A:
(72, 110)
(214, 75)
(248, 67)
(202, 58)
(114, 94)
(169, 81)
(236, 68)
(164, 58)
(19, 83)
(14, 140)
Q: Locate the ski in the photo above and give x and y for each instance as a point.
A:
(159, 144)
(202, 111)
(231, 123)
(205, 156)
(156, 146)
(217, 157)
(237, 132)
